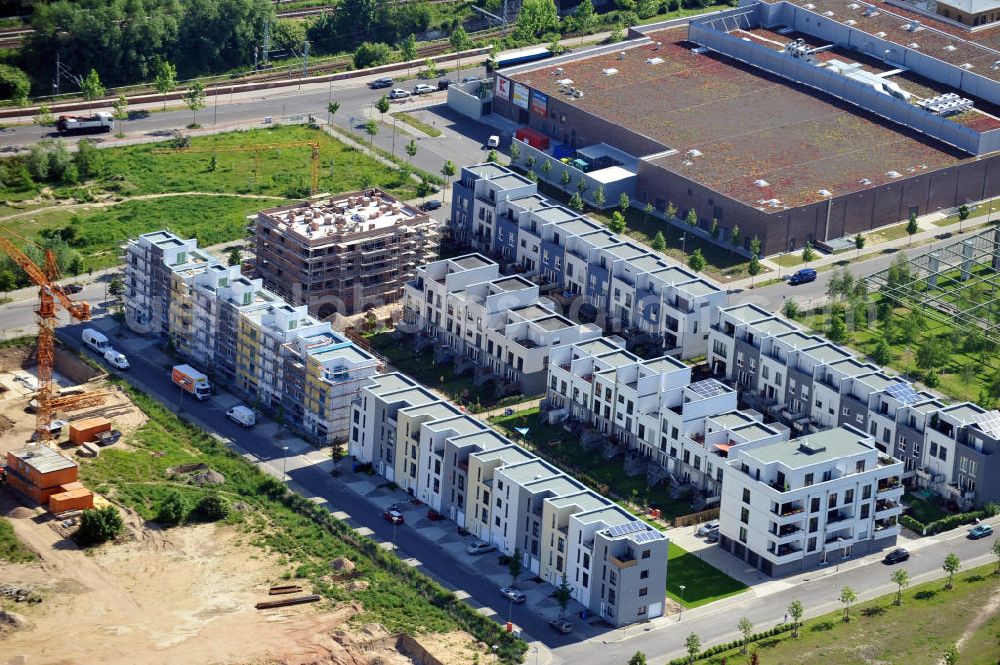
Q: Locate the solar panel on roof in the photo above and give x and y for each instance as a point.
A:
(989, 422)
(902, 391)
(708, 388)
(648, 536)
(624, 529)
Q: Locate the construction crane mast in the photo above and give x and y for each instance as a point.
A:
(49, 294)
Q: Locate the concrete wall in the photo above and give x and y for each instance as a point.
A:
(612, 190)
(465, 102)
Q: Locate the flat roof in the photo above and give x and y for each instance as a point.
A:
(774, 326)
(509, 455)
(470, 261)
(731, 420)
(387, 383)
(747, 126)
(43, 459)
(597, 346)
(434, 411)
(413, 396)
(512, 283)
(746, 313)
(489, 170)
(585, 500)
(817, 448)
(578, 226)
(664, 364)
(827, 353)
(850, 367)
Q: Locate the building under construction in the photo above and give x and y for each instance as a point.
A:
(345, 254)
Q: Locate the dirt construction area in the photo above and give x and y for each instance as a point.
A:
(184, 595)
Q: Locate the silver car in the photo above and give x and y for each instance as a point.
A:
(513, 594)
(708, 527)
(480, 548)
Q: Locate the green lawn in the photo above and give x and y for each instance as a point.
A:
(888, 233)
(417, 124)
(12, 549)
(399, 597)
(924, 510)
(930, 620)
(563, 449)
(789, 260)
(703, 583)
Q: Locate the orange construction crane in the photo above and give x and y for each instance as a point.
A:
(49, 294)
(255, 149)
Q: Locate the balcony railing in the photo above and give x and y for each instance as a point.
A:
(889, 485)
(626, 560)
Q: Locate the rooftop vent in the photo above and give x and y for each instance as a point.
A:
(892, 174)
(864, 181)
(694, 152)
(854, 5)
(870, 11)
(558, 71)
(949, 47)
(995, 66)
(913, 45)
(657, 46)
(761, 183)
(825, 192)
(654, 61)
(610, 71)
(621, 55)
(809, 5)
(851, 21)
(912, 26)
(966, 65)
(810, 448)
(828, 13)
(880, 35)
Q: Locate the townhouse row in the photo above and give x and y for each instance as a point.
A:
(499, 324)
(812, 383)
(244, 336)
(614, 563)
(626, 285)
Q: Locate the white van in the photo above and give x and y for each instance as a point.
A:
(95, 340)
(116, 358)
(242, 415)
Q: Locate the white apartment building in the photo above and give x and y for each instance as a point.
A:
(790, 506)
(498, 324)
(615, 564)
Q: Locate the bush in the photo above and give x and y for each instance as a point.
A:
(99, 525)
(14, 84)
(212, 508)
(172, 510)
(945, 523)
(371, 55)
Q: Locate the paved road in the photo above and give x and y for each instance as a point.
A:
(661, 638)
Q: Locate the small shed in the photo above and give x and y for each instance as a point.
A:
(87, 429)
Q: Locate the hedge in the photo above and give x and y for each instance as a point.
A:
(950, 522)
(735, 644)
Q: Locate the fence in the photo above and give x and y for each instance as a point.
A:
(697, 518)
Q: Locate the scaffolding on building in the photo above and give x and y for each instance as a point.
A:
(956, 284)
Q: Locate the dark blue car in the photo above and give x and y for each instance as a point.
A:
(803, 276)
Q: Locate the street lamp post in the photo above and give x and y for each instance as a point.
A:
(536, 655)
(681, 612)
(394, 535)
(840, 543)
(684, 237)
(496, 656)
(284, 462)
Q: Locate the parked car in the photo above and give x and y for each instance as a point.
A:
(70, 289)
(897, 555)
(242, 415)
(55, 428)
(712, 537)
(398, 93)
(708, 527)
(423, 89)
(434, 515)
(433, 204)
(513, 594)
(470, 79)
(802, 276)
(480, 548)
(444, 84)
(393, 516)
(108, 438)
(561, 625)
(493, 142)
(384, 82)
(116, 359)
(980, 531)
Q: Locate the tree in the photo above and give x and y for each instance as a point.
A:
(911, 226)
(624, 202)
(8, 282)
(563, 594)
(931, 353)
(576, 202)
(963, 212)
(212, 508)
(647, 212)
(166, 79)
(838, 328)
(951, 655)
(459, 41)
(546, 168)
(536, 18)
(790, 308)
(808, 253)
(98, 525)
(996, 553)
(448, 171)
(847, 596)
(659, 242)
(514, 566)
(194, 99)
(951, 565)
(754, 268)
(408, 49)
(901, 579)
(515, 154)
(14, 84)
(117, 286)
(44, 117)
(91, 87)
(713, 228)
(693, 646)
(382, 105)
(331, 110)
(371, 129)
(859, 242)
(411, 150)
(696, 261)
(755, 245)
(617, 223)
(86, 159)
(692, 217)
(796, 611)
(172, 510)
(881, 353)
(638, 658)
(371, 55)
(584, 17)
(493, 157)
(599, 198)
(734, 236)
(746, 628)
(564, 179)
(235, 258)
(670, 210)
(120, 112)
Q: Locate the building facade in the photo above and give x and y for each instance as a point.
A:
(499, 324)
(624, 285)
(344, 254)
(614, 563)
(789, 506)
(275, 354)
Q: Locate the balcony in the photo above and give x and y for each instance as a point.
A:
(887, 508)
(787, 510)
(886, 527)
(626, 561)
(889, 485)
(788, 549)
(788, 530)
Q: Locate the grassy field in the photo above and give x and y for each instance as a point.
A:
(703, 583)
(399, 597)
(563, 448)
(924, 510)
(417, 124)
(12, 549)
(930, 620)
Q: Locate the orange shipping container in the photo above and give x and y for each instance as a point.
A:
(82, 431)
(79, 499)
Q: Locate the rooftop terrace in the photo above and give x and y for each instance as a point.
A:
(327, 220)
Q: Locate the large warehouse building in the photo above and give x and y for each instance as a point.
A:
(795, 121)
